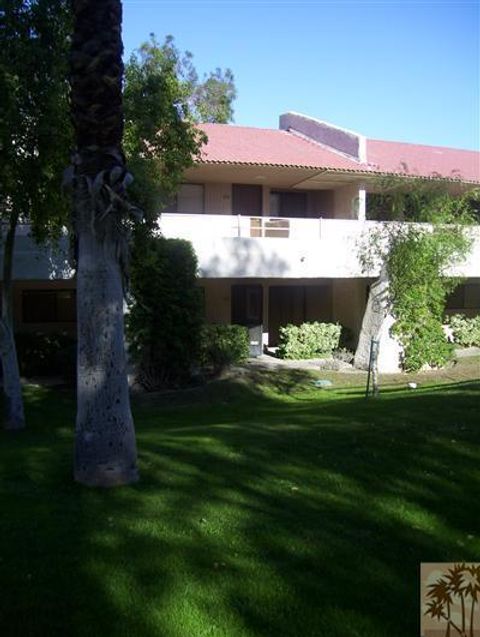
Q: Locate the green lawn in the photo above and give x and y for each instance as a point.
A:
(266, 508)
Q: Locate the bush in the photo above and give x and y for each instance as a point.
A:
(309, 340)
(166, 313)
(224, 345)
(426, 346)
(466, 331)
(42, 354)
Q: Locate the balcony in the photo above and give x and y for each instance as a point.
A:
(229, 246)
(258, 247)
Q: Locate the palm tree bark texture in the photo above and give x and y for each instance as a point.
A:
(105, 447)
(12, 386)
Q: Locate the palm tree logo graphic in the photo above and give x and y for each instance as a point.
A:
(453, 599)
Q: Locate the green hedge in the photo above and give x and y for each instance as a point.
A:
(466, 331)
(223, 345)
(166, 312)
(309, 340)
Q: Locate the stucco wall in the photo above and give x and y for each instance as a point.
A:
(349, 302)
(346, 202)
(217, 300)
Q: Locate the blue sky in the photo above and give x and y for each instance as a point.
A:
(405, 71)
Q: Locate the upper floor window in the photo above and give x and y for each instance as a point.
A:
(189, 200)
(288, 204)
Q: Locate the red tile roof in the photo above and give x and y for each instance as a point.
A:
(423, 161)
(265, 146)
(260, 146)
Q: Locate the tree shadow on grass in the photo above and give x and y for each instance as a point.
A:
(255, 515)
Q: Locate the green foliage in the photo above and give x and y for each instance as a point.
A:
(35, 134)
(224, 345)
(166, 315)
(416, 257)
(212, 99)
(309, 340)
(41, 354)
(163, 100)
(419, 201)
(418, 291)
(466, 331)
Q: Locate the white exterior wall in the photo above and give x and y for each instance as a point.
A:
(314, 247)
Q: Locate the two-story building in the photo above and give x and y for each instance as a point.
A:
(275, 217)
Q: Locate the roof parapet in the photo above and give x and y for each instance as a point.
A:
(351, 144)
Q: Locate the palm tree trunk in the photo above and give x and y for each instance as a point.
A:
(105, 448)
(12, 387)
(472, 618)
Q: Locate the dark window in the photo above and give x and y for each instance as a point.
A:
(190, 199)
(246, 200)
(48, 306)
(247, 304)
(288, 204)
(456, 299)
(464, 297)
(203, 302)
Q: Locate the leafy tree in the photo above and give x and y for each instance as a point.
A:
(163, 99)
(34, 142)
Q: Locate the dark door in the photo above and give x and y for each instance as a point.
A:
(286, 305)
(247, 200)
(247, 304)
(247, 310)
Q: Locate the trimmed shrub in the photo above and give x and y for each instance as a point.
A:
(427, 345)
(224, 345)
(165, 321)
(466, 331)
(309, 340)
(42, 354)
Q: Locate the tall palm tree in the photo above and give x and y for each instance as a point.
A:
(105, 447)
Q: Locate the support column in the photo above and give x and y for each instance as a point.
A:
(265, 321)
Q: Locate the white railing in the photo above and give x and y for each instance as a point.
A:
(247, 246)
(195, 226)
(239, 245)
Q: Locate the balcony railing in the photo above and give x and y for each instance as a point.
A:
(196, 226)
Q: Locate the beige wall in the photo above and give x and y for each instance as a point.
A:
(346, 202)
(217, 300)
(349, 302)
(321, 203)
